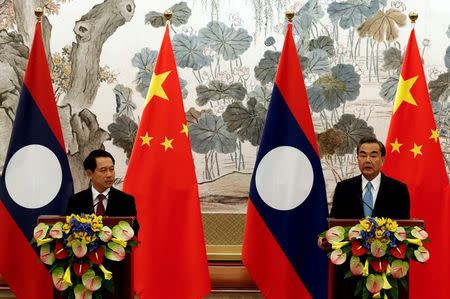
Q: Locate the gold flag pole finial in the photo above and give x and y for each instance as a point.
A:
(413, 17)
(39, 12)
(290, 15)
(168, 15)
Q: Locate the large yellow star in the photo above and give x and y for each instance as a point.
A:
(167, 143)
(417, 150)
(404, 92)
(155, 88)
(146, 139)
(185, 129)
(396, 146)
(434, 135)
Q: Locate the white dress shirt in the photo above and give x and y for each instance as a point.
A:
(95, 193)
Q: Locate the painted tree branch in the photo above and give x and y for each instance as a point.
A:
(92, 30)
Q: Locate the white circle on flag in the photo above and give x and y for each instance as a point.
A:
(33, 176)
(284, 178)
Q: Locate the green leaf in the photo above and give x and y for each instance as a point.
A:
(404, 282)
(348, 275)
(359, 286)
(394, 290)
(365, 293)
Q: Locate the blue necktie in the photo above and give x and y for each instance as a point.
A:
(368, 200)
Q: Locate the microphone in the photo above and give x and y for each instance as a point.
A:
(360, 198)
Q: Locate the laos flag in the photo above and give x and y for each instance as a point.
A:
(36, 179)
(287, 208)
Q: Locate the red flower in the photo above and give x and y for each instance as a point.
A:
(358, 249)
(96, 256)
(399, 251)
(80, 269)
(379, 265)
(60, 252)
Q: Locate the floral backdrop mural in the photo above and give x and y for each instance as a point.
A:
(102, 55)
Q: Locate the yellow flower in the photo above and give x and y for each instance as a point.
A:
(366, 225)
(376, 295)
(43, 241)
(123, 243)
(366, 268)
(417, 242)
(391, 225)
(379, 232)
(380, 221)
(386, 284)
(66, 276)
(108, 274)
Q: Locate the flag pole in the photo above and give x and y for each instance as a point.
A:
(39, 12)
(413, 18)
(168, 16)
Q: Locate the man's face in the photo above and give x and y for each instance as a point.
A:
(103, 176)
(370, 160)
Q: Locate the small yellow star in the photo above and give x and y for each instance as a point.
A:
(404, 92)
(434, 135)
(156, 88)
(146, 139)
(396, 146)
(416, 150)
(167, 143)
(185, 129)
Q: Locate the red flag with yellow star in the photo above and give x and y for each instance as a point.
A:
(170, 261)
(414, 156)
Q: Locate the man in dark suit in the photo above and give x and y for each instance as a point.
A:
(102, 198)
(370, 194)
(390, 198)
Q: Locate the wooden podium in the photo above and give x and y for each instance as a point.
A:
(121, 271)
(343, 288)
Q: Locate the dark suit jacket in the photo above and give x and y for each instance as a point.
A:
(119, 204)
(392, 200)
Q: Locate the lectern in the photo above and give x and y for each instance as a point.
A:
(121, 271)
(344, 288)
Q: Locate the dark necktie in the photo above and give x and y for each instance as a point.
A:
(100, 205)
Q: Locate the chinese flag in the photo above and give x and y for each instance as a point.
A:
(170, 260)
(287, 206)
(414, 156)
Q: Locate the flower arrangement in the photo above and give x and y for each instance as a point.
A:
(376, 251)
(74, 252)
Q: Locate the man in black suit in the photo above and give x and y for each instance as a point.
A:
(102, 198)
(390, 198)
(370, 194)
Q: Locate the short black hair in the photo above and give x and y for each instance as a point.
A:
(370, 139)
(90, 164)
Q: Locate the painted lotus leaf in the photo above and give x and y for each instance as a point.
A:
(438, 87)
(180, 16)
(145, 62)
(267, 67)
(124, 101)
(330, 141)
(389, 88)
(318, 62)
(123, 131)
(312, 8)
(210, 133)
(188, 52)
(184, 91)
(324, 43)
(332, 90)
(270, 41)
(193, 115)
(351, 13)
(218, 90)
(246, 122)
(354, 129)
(447, 58)
(383, 26)
(308, 14)
(228, 42)
(392, 59)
